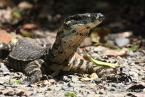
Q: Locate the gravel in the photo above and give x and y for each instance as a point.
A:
(128, 80)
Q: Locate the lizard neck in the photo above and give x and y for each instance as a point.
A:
(66, 43)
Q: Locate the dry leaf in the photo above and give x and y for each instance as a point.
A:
(93, 76)
(5, 36)
(29, 26)
(5, 3)
(25, 5)
(115, 53)
(124, 34)
(98, 34)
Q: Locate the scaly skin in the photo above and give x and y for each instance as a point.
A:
(61, 56)
(75, 29)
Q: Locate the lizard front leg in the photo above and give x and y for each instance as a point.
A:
(34, 70)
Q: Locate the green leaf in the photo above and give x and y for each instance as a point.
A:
(70, 94)
(100, 63)
(16, 14)
(15, 81)
(134, 47)
(27, 34)
(18, 81)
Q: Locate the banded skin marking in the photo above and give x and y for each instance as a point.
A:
(78, 64)
(74, 30)
(33, 70)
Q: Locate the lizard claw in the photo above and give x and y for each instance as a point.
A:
(35, 77)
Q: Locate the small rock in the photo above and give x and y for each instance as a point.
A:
(9, 93)
(136, 88)
(4, 69)
(20, 93)
(66, 79)
(75, 79)
(122, 41)
(70, 84)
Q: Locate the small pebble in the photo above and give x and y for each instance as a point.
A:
(122, 41)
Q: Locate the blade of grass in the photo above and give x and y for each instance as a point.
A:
(100, 63)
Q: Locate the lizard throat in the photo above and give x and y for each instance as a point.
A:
(66, 44)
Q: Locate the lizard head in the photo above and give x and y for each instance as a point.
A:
(73, 31)
(83, 22)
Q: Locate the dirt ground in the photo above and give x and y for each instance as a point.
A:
(118, 40)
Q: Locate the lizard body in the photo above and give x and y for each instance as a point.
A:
(36, 56)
